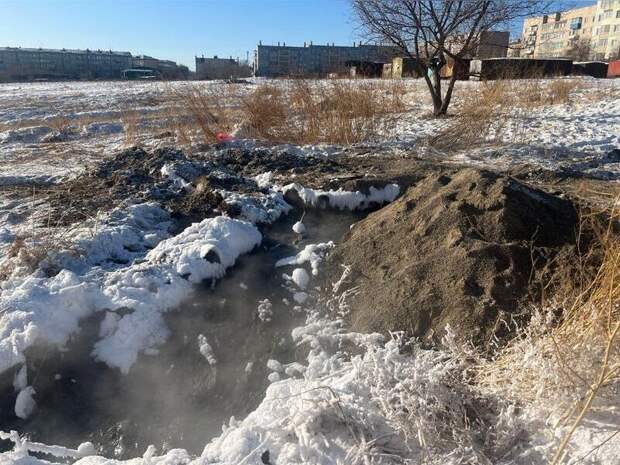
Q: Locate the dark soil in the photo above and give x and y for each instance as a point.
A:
(457, 248)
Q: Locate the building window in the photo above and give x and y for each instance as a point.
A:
(545, 19)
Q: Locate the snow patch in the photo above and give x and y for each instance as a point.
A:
(342, 199)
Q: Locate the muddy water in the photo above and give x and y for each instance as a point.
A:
(177, 398)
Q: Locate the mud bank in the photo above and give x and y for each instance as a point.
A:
(460, 248)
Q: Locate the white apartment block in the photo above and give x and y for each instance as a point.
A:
(554, 36)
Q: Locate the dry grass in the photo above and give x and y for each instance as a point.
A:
(131, 126)
(481, 116)
(28, 252)
(568, 358)
(60, 124)
(265, 112)
(302, 112)
(534, 93)
(197, 112)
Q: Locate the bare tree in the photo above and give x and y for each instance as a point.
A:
(580, 49)
(428, 31)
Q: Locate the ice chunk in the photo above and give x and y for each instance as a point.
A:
(300, 277)
(299, 228)
(25, 403)
(206, 350)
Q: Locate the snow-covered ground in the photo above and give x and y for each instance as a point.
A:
(371, 403)
(96, 116)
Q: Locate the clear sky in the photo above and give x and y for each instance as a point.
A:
(174, 29)
(180, 29)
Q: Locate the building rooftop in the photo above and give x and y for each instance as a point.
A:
(64, 50)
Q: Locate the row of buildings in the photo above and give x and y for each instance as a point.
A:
(586, 33)
(26, 64)
(312, 60)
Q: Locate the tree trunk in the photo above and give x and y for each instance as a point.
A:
(448, 97)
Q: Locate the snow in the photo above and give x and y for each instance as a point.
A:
(342, 199)
(550, 136)
(311, 253)
(265, 310)
(39, 309)
(300, 277)
(376, 403)
(300, 297)
(206, 350)
(25, 403)
(259, 207)
(299, 228)
(384, 405)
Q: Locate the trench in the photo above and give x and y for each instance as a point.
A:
(176, 398)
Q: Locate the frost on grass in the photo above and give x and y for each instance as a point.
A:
(265, 310)
(375, 402)
(311, 253)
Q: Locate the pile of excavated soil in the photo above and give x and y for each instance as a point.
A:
(455, 249)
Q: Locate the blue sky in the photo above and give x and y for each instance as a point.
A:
(174, 29)
(177, 29)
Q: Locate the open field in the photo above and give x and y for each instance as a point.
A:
(320, 266)
(93, 120)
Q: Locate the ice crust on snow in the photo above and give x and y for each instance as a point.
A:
(44, 309)
(342, 199)
(258, 208)
(311, 253)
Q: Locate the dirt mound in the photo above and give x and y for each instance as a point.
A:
(455, 249)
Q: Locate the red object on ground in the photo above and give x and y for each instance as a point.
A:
(223, 137)
(613, 70)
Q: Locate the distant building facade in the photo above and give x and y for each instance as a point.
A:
(166, 69)
(559, 35)
(18, 64)
(493, 44)
(221, 68)
(24, 64)
(316, 60)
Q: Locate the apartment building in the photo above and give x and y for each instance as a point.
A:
(562, 34)
(25, 64)
(18, 63)
(316, 60)
(221, 68)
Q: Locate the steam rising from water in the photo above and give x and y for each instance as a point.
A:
(181, 396)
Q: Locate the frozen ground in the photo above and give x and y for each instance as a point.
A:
(93, 119)
(350, 398)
